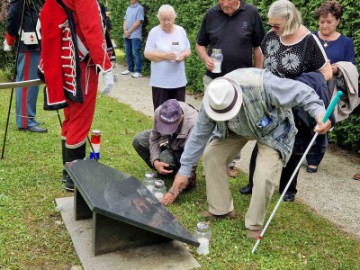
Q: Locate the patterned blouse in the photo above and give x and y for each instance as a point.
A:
(285, 60)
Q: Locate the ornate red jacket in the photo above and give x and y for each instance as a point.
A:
(72, 31)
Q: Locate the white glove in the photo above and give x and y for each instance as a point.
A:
(108, 82)
(7, 48)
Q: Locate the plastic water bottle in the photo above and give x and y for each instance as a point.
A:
(149, 181)
(217, 56)
(175, 48)
(159, 189)
(95, 142)
(203, 235)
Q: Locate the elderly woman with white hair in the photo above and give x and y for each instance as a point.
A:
(289, 49)
(167, 47)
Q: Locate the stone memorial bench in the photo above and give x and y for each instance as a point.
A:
(124, 213)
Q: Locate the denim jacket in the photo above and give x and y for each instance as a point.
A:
(265, 114)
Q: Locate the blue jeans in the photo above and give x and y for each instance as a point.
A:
(132, 51)
(26, 97)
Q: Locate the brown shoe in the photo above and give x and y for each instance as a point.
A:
(357, 177)
(253, 234)
(210, 216)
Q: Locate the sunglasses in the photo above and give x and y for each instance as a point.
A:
(275, 26)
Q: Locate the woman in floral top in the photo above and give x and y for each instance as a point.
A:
(289, 49)
(283, 46)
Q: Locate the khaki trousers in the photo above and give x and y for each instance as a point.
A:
(217, 155)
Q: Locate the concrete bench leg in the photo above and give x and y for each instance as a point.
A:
(110, 235)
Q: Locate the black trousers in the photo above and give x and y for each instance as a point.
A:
(160, 95)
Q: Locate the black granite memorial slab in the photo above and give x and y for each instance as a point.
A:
(125, 213)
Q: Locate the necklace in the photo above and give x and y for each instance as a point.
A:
(330, 38)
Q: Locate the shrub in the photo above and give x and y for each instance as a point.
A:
(190, 14)
(7, 62)
(346, 134)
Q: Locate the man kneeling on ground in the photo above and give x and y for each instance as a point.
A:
(246, 104)
(162, 147)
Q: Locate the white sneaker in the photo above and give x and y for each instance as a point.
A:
(136, 75)
(126, 72)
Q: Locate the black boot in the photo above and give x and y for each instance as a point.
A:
(65, 175)
(247, 189)
(71, 155)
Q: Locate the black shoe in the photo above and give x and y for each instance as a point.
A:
(69, 185)
(311, 169)
(65, 177)
(36, 129)
(289, 197)
(246, 190)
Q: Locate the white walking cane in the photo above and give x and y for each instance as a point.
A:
(329, 111)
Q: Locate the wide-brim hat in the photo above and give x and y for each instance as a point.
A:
(169, 117)
(222, 99)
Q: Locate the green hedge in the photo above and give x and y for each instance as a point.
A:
(190, 14)
(7, 62)
(347, 133)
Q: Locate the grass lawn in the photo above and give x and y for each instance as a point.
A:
(32, 234)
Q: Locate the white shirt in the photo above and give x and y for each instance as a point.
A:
(167, 74)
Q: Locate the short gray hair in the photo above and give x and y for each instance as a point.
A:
(286, 10)
(166, 8)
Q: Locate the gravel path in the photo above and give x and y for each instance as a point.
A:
(331, 191)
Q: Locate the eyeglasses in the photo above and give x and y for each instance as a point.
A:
(275, 26)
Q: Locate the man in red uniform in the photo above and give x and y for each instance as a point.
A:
(74, 46)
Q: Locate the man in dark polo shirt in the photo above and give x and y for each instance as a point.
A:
(236, 28)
